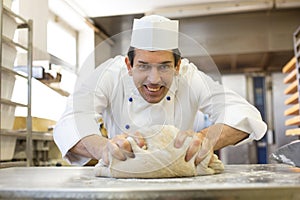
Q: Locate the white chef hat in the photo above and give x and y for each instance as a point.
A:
(154, 32)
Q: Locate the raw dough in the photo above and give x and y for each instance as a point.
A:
(160, 160)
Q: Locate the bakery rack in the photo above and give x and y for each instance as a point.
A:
(8, 135)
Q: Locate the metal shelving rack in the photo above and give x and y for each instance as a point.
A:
(293, 90)
(27, 134)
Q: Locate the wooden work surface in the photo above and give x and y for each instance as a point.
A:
(272, 181)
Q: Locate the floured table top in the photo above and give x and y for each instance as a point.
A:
(272, 181)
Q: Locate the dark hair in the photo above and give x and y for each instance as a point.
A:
(131, 54)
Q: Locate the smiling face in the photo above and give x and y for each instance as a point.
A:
(152, 73)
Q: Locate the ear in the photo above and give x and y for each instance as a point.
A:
(177, 67)
(129, 67)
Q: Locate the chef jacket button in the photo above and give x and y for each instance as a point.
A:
(127, 126)
(130, 99)
(168, 98)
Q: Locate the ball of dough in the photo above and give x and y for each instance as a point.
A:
(160, 159)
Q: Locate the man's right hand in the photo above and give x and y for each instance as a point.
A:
(120, 148)
(98, 147)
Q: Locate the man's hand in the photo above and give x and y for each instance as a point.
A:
(209, 139)
(120, 148)
(97, 147)
(199, 146)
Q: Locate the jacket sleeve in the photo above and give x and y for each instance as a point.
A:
(83, 110)
(225, 106)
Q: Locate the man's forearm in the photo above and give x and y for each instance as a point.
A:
(91, 146)
(223, 135)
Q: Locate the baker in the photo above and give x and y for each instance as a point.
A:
(152, 85)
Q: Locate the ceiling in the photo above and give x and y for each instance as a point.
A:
(115, 16)
(172, 8)
(96, 8)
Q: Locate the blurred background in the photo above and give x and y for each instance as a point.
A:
(254, 44)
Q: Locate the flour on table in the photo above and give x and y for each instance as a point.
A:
(160, 160)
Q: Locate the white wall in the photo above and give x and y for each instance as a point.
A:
(46, 103)
(236, 82)
(86, 54)
(236, 154)
(37, 10)
(44, 98)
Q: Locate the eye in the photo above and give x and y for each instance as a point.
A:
(165, 67)
(143, 67)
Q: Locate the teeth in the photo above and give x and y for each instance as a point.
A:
(153, 89)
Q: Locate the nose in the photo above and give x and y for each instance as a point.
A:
(154, 76)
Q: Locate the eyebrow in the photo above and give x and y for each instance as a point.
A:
(164, 62)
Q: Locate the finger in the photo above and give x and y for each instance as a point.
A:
(134, 145)
(181, 137)
(105, 159)
(115, 151)
(139, 139)
(125, 147)
(193, 148)
(200, 157)
(123, 144)
(205, 149)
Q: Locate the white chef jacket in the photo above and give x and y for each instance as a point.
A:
(110, 93)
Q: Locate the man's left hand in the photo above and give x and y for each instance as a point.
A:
(199, 146)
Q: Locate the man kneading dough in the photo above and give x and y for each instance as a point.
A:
(160, 159)
(153, 85)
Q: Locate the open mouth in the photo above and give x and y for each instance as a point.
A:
(153, 93)
(153, 89)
